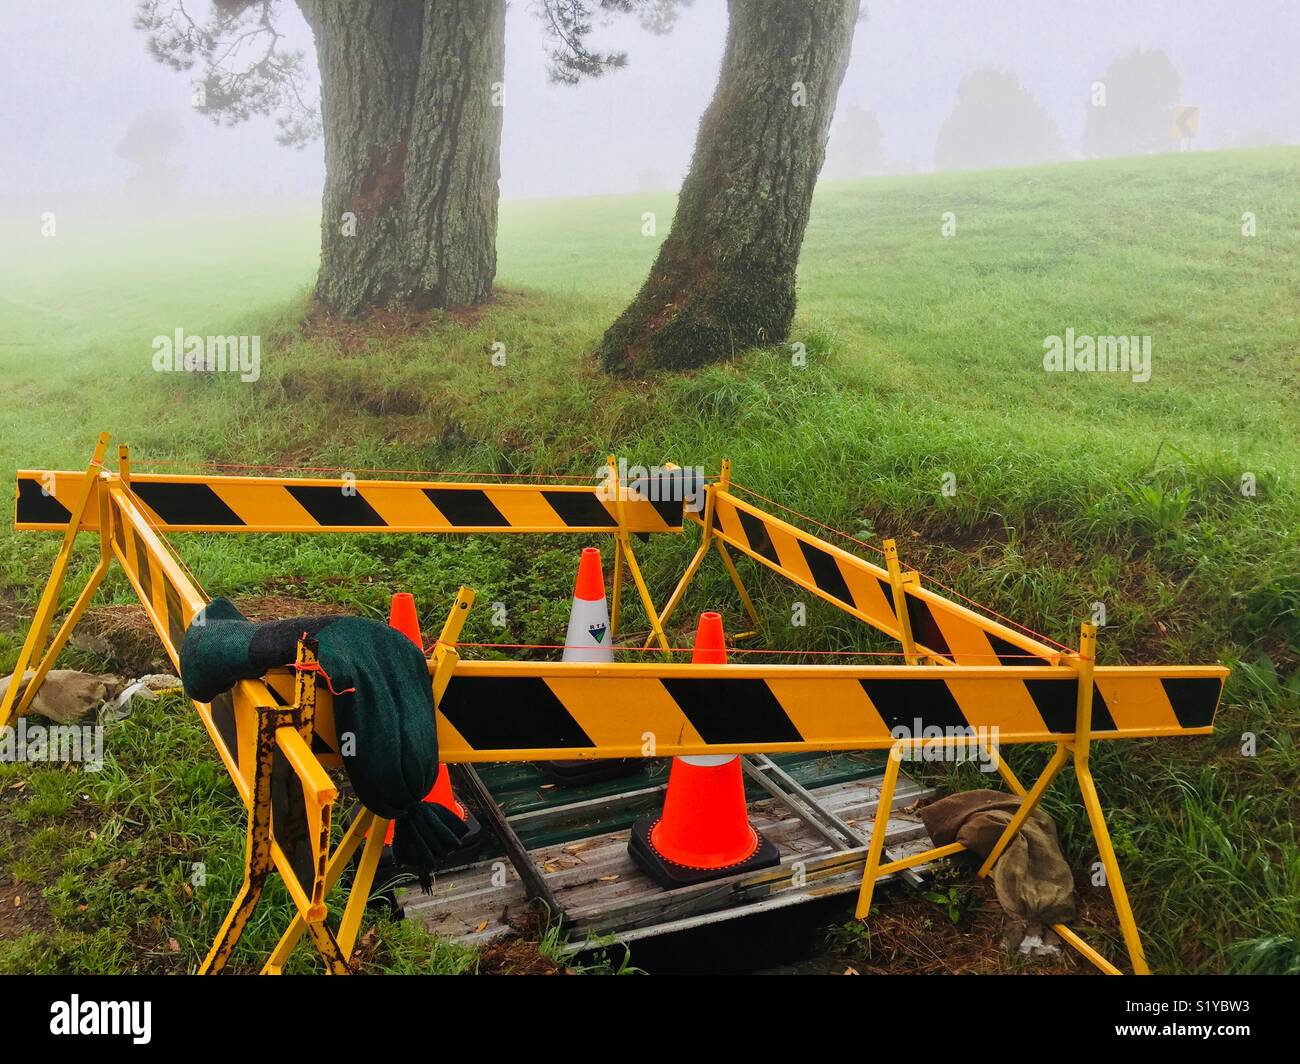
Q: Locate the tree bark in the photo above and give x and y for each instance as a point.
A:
(724, 279)
(412, 125)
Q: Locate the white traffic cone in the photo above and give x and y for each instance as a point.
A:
(588, 640)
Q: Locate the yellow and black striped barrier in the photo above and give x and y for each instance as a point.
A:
(968, 679)
(563, 710)
(172, 503)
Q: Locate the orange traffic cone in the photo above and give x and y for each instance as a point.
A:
(402, 616)
(704, 831)
(588, 639)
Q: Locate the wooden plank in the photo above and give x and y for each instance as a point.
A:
(603, 891)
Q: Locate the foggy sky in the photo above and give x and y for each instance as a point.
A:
(74, 74)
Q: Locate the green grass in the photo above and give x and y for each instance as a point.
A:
(924, 359)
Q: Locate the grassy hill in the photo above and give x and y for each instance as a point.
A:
(924, 360)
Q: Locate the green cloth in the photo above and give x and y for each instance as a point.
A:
(383, 711)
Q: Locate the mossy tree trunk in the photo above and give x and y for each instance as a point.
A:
(411, 107)
(724, 279)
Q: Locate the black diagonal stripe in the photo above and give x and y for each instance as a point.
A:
(901, 703)
(119, 529)
(223, 719)
(510, 713)
(925, 629)
(887, 589)
(289, 823)
(186, 504)
(467, 507)
(329, 506)
(36, 508)
(319, 745)
(756, 532)
(733, 711)
(826, 573)
(142, 564)
(668, 498)
(1055, 700)
(1194, 699)
(579, 509)
(175, 628)
(1010, 654)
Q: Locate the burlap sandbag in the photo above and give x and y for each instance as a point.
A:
(1034, 884)
(67, 696)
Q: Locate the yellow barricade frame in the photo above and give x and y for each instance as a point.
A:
(990, 683)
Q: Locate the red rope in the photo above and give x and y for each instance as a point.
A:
(315, 666)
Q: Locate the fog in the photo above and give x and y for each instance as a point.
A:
(74, 75)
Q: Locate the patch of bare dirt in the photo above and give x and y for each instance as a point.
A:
(516, 953)
(387, 326)
(908, 934)
(124, 636)
(516, 956)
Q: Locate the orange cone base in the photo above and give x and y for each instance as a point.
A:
(580, 773)
(669, 874)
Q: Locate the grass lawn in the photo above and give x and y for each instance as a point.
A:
(924, 373)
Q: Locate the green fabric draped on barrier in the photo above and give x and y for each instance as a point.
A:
(383, 699)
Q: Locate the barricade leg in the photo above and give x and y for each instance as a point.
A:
(1027, 805)
(1097, 819)
(352, 839)
(257, 850)
(34, 644)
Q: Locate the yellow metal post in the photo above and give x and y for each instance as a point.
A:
(897, 584)
(1088, 790)
(616, 591)
(445, 654)
(626, 541)
(361, 884)
(879, 829)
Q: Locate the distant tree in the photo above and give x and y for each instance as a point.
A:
(996, 122)
(725, 275)
(857, 145)
(148, 142)
(1141, 90)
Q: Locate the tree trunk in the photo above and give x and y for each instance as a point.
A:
(724, 278)
(412, 120)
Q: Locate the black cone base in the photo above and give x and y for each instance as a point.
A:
(580, 773)
(670, 875)
(389, 870)
(469, 845)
